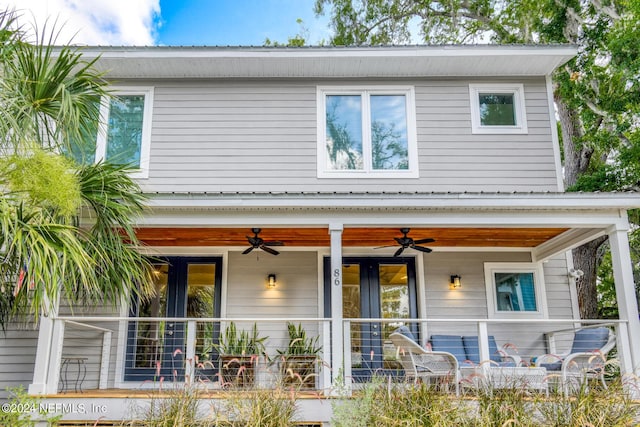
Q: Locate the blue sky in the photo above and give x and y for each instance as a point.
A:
(239, 22)
(175, 22)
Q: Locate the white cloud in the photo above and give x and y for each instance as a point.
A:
(93, 22)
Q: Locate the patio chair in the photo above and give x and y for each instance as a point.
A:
(421, 364)
(476, 373)
(467, 350)
(586, 359)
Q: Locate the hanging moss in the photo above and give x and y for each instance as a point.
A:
(44, 179)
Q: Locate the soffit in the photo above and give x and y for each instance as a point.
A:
(351, 237)
(329, 62)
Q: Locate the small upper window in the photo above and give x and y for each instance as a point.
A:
(515, 290)
(123, 135)
(366, 132)
(497, 108)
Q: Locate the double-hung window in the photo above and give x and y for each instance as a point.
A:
(123, 135)
(515, 290)
(497, 108)
(366, 132)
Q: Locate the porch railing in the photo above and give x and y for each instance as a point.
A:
(369, 351)
(125, 352)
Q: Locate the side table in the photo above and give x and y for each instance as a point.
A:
(80, 373)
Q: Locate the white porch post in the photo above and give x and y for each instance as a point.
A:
(43, 354)
(626, 297)
(43, 350)
(337, 348)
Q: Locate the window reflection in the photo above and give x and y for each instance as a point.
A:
(515, 292)
(394, 304)
(150, 335)
(201, 279)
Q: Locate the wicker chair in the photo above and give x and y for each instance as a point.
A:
(421, 364)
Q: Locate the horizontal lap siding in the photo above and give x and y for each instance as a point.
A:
(470, 301)
(262, 136)
(17, 356)
(295, 295)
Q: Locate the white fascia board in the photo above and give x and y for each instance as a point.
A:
(399, 61)
(328, 52)
(380, 218)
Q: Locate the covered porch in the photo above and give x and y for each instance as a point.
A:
(327, 245)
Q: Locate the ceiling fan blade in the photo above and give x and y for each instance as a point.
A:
(398, 252)
(421, 241)
(246, 251)
(269, 250)
(387, 246)
(274, 243)
(421, 249)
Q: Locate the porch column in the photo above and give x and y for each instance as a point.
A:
(626, 297)
(337, 347)
(43, 350)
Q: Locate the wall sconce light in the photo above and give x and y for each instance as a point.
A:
(455, 282)
(271, 281)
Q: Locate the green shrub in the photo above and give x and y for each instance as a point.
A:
(21, 410)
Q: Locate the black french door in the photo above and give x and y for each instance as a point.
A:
(186, 287)
(374, 288)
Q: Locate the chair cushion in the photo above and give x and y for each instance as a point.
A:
(404, 330)
(587, 340)
(449, 343)
(556, 366)
(472, 349)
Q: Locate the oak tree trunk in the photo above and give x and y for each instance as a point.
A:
(576, 162)
(585, 258)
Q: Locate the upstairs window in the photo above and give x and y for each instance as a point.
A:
(123, 135)
(366, 133)
(515, 289)
(497, 108)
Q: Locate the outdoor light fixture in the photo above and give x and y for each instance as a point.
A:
(455, 282)
(271, 281)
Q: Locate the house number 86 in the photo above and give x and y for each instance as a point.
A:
(336, 275)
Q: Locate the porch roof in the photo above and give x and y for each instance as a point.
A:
(599, 201)
(545, 223)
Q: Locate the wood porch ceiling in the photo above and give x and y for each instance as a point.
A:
(366, 237)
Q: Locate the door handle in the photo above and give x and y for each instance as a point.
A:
(375, 334)
(169, 332)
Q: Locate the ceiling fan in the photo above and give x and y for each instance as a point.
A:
(407, 242)
(257, 242)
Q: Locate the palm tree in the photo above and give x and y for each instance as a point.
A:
(65, 228)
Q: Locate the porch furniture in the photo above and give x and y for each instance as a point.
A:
(467, 350)
(419, 363)
(586, 359)
(79, 374)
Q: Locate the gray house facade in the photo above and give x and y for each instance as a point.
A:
(347, 190)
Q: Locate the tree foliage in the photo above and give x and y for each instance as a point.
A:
(597, 94)
(65, 228)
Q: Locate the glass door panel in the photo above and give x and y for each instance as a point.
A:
(150, 335)
(374, 288)
(201, 303)
(186, 288)
(351, 308)
(394, 304)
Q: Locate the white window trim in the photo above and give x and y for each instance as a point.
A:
(145, 145)
(412, 140)
(490, 268)
(517, 90)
